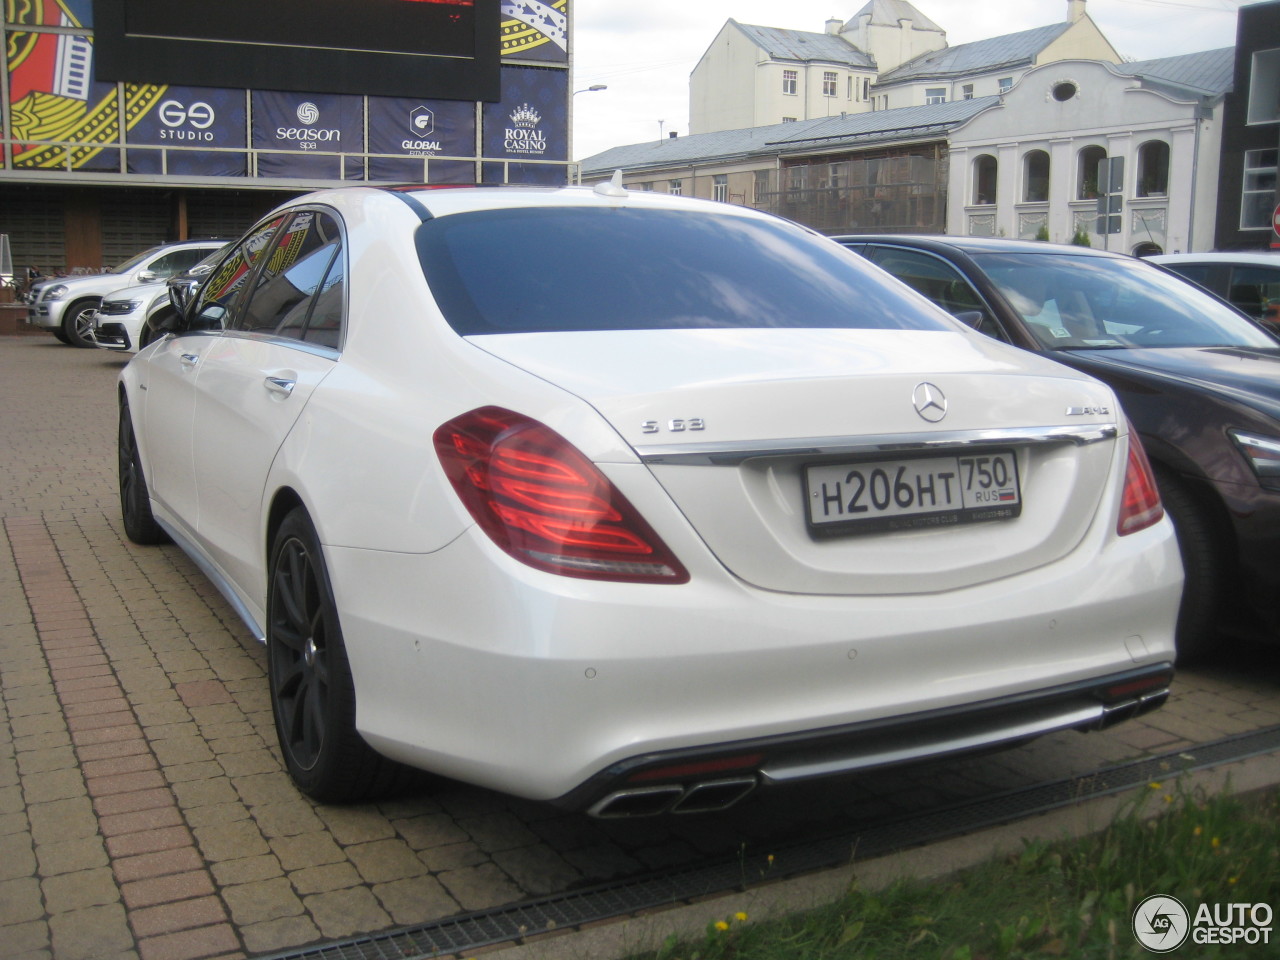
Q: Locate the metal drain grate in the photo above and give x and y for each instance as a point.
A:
(468, 932)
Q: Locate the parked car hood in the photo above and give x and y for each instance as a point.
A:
(1247, 375)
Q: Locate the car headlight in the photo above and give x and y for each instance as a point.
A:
(56, 292)
(116, 307)
(1263, 454)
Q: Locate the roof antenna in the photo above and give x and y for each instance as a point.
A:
(612, 187)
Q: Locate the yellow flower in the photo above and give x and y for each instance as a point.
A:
(1168, 799)
(721, 926)
(1215, 843)
(1197, 831)
(740, 917)
(1232, 880)
(1155, 786)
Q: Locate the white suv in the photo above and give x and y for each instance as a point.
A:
(68, 306)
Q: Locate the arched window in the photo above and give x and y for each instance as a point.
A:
(984, 179)
(1035, 180)
(1153, 169)
(1087, 174)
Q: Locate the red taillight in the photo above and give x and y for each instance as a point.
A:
(546, 504)
(1141, 506)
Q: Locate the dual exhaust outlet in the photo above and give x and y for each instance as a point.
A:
(707, 796)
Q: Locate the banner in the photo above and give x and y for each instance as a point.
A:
(420, 130)
(530, 123)
(536, 30)
(304, 126)
(202, 117)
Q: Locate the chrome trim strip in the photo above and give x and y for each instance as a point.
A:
(732, 454)
(215, 577)
(932, 748)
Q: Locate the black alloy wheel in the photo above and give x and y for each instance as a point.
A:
(312, 693)
(135, 502)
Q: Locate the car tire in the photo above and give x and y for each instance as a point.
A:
(312, 692)
(1204, 562)
(77, 323)
(62, 337)
(135, 502)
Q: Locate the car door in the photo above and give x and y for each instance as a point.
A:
(172, 372)
(280, 343)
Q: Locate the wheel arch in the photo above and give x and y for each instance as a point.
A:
(285, 501)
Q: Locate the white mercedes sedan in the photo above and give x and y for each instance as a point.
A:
(636, 503)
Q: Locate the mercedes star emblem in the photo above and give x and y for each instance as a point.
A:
(930, 402)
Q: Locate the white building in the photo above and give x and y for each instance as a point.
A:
(887, 55)
(1029, 164)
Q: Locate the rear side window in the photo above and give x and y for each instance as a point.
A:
(302, 270)
(564, 269)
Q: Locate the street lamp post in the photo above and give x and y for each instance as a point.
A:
(594, 88)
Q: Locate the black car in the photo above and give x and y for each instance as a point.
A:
(1199, 381)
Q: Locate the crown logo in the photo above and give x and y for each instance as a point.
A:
(525, 116)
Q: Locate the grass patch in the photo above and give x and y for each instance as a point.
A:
(1071, 898)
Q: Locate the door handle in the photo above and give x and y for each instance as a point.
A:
(280, 386)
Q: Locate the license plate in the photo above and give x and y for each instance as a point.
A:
(911, 493)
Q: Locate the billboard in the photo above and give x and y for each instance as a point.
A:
(446, 49)
(64, 116)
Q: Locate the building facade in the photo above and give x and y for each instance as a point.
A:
(1028, 166)
(110, 144)
(1248, 196)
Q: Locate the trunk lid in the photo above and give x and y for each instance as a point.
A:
(730, 421)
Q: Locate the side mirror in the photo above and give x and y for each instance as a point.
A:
(181, 292)
(147, 276)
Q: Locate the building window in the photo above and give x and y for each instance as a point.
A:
(720, 187)
(1153, 169)
(790, 81)
(761, 186)
(866, 88)
(850, 88)
(675, 187)
(829, 82)
(1006, 83)
(984, 179)
(1264, 87)
(1259, 195)
(967, 91)
(647, 187)
(1087, 172)
(788, 119)
(935, 94)
(1035, 187)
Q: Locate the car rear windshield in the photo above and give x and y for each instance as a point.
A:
(1090, 302)
(570, 269)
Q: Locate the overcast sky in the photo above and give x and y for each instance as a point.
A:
(644, 50)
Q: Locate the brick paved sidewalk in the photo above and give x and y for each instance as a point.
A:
(144, 810)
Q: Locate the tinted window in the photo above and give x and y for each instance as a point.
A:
(1253, 287)
(1099, 302)
(1192, 271)
(936, 279)
(218, 293)
(516, 271)
(176, 261)
(301, 259)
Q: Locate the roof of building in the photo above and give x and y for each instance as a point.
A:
(804, 46)
(889, 12)
(1206, 74)
(1011, 50)
(858, 129)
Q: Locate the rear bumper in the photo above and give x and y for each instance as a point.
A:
(695, 781)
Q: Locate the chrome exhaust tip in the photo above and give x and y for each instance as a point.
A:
(638, 802)
(714, 795)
